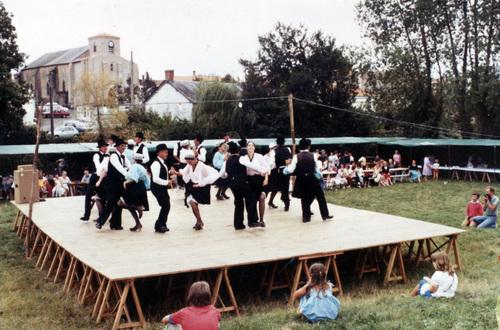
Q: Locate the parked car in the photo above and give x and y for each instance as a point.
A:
(65, 132)
(58, 110)
(79, 125)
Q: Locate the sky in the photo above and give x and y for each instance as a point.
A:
(208, 36)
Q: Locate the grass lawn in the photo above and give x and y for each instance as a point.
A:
(28, 300)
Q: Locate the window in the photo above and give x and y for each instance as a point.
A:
(95, 48)
(63, 86)
(111, 46)
(111, 66)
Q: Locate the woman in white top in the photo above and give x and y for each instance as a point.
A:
(198, 177)
(258, 171)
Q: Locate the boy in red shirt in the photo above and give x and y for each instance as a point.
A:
(200, 313)
(474, 208)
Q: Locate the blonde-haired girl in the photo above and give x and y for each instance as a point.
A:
(444, 281)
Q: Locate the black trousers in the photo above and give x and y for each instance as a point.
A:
(113, 194)
(283, 185)
(311, 189)
(89, 193)
(163, 200)
(243, 197)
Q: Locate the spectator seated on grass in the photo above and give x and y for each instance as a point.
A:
(444, 281)
(317, 302)
(414, 172)
(200, 313)
(474, 209)
(490, 207)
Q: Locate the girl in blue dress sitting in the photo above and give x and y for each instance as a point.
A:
(317, 302)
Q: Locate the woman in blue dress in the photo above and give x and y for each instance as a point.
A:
(317, 302)
(135, 198)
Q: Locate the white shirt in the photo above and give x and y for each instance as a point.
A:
(202, 154)
(257, 166)
(114, 159)
(155, 172)
(145, 152)
(99, 165)
(447, 284)
(202, 175)
(270, 158)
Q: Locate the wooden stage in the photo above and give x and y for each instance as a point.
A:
(104, 265)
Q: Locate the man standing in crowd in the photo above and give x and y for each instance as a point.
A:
(159, 187)
(307, 184)
(140, 147)
(98, 161)
(237, 181)
(117, 170)
(281, 182)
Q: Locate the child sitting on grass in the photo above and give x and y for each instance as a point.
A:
(474, 209)
(200, 313)
(317, 302)
(443, 282)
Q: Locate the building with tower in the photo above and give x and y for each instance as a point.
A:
(65, 69)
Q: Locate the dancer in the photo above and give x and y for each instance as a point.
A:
(280, 181)
(140, 147)
(237, 181)
(116, 172)
(218, 162)
(159, 187)
(97, 160)
(257, 176)
(199, 151)
(198, 178)
(307, 184)
(135, 197)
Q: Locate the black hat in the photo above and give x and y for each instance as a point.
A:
(101, 143)
(119, 141)
(114, 137)
(161, 146)
(280, 141)
(139, 135)
(233, 147)
(304, 144)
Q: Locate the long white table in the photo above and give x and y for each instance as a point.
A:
(468, 170)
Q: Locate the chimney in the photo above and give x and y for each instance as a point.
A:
(169, 75)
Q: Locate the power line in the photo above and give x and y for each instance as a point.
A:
(219, 101)
(401, 122)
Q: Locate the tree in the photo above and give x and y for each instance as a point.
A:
(96, 91)
(214, 118)
(312, 67)
(12, 95)
(432, 62)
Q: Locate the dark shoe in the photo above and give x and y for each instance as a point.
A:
(162, 230)
(136, 228)
(272, 206)
(287, 207)
(116, 228)
(98, 225)
(262, 224)
(240, 228)
(84, 218)
(219, 198)
(328, 217)
(306, 220)
(254, 224)
(226, 196)
(198, 227)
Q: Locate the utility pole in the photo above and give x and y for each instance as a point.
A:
(292, 121)
(51, 83)
(131, 79)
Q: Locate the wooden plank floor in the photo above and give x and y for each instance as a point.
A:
(124, 254)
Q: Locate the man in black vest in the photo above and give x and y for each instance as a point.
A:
(140, 148)
(237, 181)
(117, 169)
(97, 160)
(159, 187)
(281, 180)
(307, 184)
